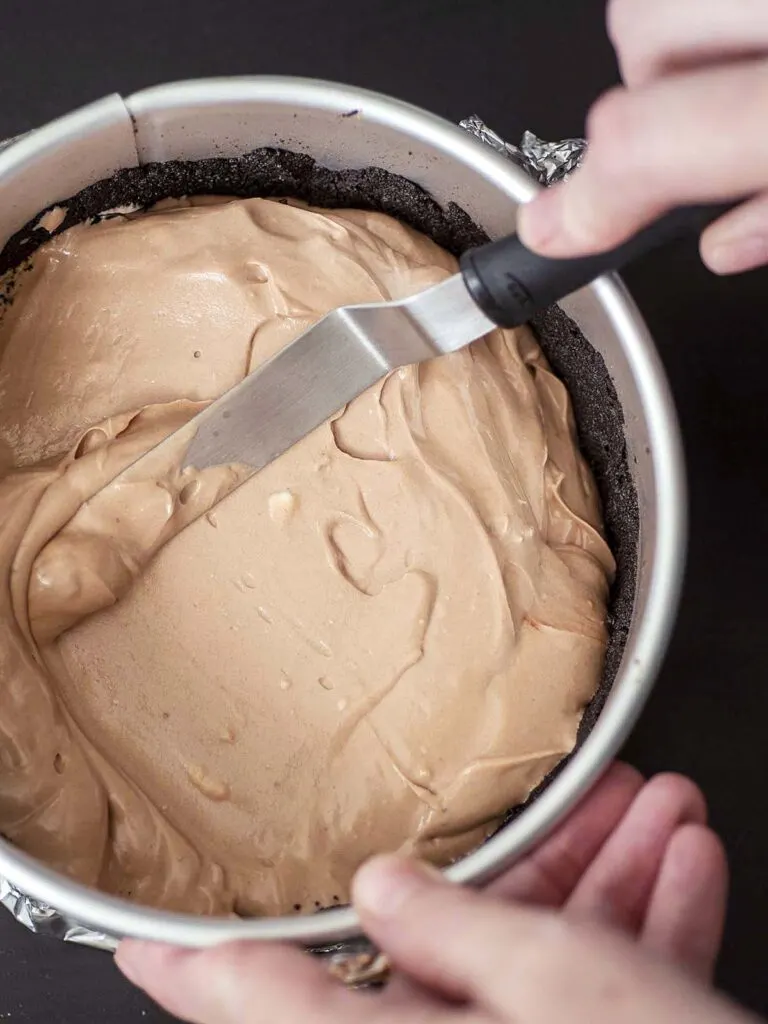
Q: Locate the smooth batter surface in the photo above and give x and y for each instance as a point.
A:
(382, 641)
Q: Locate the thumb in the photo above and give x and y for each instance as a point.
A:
(450, 939)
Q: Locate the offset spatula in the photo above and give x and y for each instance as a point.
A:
(502, 284)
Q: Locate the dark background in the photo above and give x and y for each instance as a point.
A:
(520, 64)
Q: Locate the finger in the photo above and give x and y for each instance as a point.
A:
(236, 982)
(617, 887)
(667, 144)
(686, 913)
(405, 1001)
(548, 876)
(658, 37)
(442, 936)
(519, 963)
(739, 240)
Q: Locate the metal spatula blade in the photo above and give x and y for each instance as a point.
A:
(328, 366)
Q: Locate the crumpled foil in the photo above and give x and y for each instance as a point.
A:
(4, 143)
(44, 920)
(546, 162)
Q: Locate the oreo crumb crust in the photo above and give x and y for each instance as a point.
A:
(268, 173)
(278, 173)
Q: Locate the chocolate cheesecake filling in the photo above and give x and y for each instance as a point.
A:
(385, 640)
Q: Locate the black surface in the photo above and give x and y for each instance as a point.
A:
(519, 64)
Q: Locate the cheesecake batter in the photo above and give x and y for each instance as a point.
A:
(382, 641)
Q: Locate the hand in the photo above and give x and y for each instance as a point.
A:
(550, 941)
(688, 127)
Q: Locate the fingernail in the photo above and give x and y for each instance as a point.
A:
(738, 255)
(540, 222)
(137, 960)
(385, 884)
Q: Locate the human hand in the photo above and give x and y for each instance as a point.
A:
(687, 127)
(635, 858)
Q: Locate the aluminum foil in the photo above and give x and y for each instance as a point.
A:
(4, 143)
(44, 920)
(546, 162)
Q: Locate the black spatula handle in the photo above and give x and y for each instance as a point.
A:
(511, 284)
